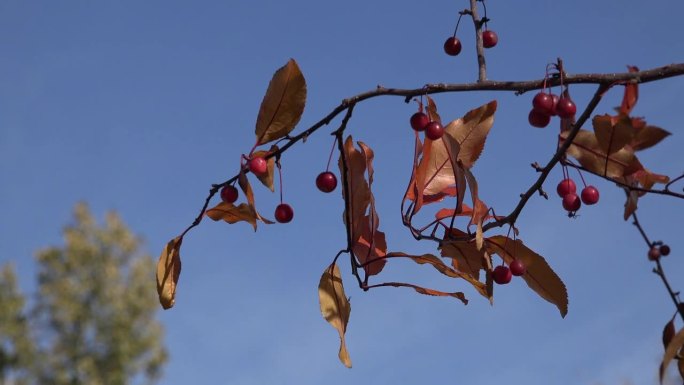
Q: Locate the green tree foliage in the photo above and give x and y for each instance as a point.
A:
(93, 320)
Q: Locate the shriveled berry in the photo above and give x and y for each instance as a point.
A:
(590, 195)
(502, 275)
(326, 181)
(434, 130)
(518, 268)
(565, 187)
(419, 121)
(229, 194)
(538, 119)
(452, 46)
(284, 213)
(571, 202)
(664, 250)
(653, 253)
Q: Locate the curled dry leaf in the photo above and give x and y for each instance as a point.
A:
(283, 104)
(647, 136)
(267, 178)
(168, 272)
(465, 257)
(233, 214)
(671, 350)
(335, 306)
(539, 276)
(631, 95)
(423, 290)
(668, 333)
(246, 188)
(432, 110)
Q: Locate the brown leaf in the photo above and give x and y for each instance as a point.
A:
(426, 291)
(233, 214)
(246, 188)
(471, 131)
(539, 276)
(432, 110)
(648, 136)
(422, 174)
(680, 365)
(443, 268)
(671, 350)
(335, 306)
(360, 191)
(586, 150)
(283, 104)
(465, 257)
(631, 95)
(441, 169)
(668, 333)
(479, 209)
(168, 272)
(267, 178)
(372, 258)
(631, 204)
(613, 133)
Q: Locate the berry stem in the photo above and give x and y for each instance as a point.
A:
(332, 149)
(280, 177)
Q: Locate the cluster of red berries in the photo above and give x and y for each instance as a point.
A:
(503, 274)
(452, 45)
(326, 182)
(657, 251)
(421, 122)
(545, 105)
(567, 190)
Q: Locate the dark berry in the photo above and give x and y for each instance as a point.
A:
(419, 121)
(555, 99)
(434, 130)
(590, 195)
(452, 46)
(571, 202)
(284, 213)
(518, 268)
(538, 119)
(258, 165)
(543, 103)
(664, 250)
(653, 253)
(566, 107)
(565, 187)
(229, 194)
(326, 181)
(489, 38)
(502, 275)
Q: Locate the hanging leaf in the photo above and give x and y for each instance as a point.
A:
(648, 136)
(168, 272)
(668, 333)
(335, 306)
(246, 188)
(423, 290)
(233, 214)
(586, 150)
(283, 104)
(267, 178)
(631, 95)
(432, 110)
(479, 209)
(371, 257)
(673, 347)
(360, 192)
(465, 257)
(631, 204)
(539, 276)
(471, 132)
(613, 133)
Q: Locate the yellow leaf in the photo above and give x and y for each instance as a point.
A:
(539, 275)
(168, 272)
(283, 104)
(335, 306)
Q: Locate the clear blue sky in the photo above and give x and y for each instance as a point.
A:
(139, 106)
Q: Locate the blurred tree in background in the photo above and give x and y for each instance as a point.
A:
(93, 320)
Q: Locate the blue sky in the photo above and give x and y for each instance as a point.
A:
(139, 106)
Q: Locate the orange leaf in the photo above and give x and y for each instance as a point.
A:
(168, 272)
(283, 104)
(648, 136)
(465, 257)
(471, 131)
(432, 110)
(539, 276)
(360, 191)
(631, 94)
(335, 306)
(673, 347)
(586, 149)
(479, 209)
(374, 255)
(613, 133)
(233, 214)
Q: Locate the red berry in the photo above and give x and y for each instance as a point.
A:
(258, 165)
(543, 103)
(419, 121)
(434, 130)
(502, 275)
(518, 268)
(555, 99)
(538, 119)
(284, 213)
(653, 253)
(489, 38)
(664, 250)
(566, 107)
(565, 187)
(452, 46)
(326, 181)
(590, 195)
(571, 202)
(229, 194)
